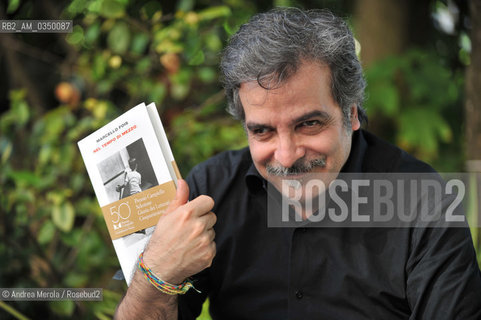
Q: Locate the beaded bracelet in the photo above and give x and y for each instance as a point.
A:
(161, 285)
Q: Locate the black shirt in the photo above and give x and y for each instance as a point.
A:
(327, 273)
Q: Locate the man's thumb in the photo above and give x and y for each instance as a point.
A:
(181, 196)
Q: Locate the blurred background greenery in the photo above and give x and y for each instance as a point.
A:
(57, 88)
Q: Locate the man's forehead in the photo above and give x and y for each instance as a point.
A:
(313, 71)
(273, 80)
(304, 92)
(252, 93)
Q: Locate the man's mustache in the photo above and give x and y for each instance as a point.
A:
(299, 167)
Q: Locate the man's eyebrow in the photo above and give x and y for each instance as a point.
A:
(326, 117)
(251, 126)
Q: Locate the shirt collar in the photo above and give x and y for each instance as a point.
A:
(358, 149)
(254, 181)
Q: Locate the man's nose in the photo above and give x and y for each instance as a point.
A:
(288, 150)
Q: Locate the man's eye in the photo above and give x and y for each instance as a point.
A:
(310, 126)
(310, 123)
(260, 133)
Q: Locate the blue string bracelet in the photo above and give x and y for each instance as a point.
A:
(161, 285)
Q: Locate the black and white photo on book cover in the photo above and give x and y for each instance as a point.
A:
(127, 172)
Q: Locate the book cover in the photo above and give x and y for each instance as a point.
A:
(133, 173)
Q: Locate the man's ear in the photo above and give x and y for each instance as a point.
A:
(355, 123)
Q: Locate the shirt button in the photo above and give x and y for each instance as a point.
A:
(299, 294)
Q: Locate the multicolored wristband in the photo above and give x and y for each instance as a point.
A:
(161, 285)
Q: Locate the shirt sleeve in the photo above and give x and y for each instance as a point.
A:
(190, 304)
(443, 277)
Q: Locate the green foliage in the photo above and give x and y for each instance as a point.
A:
(149, 55)
(121, 52)
(48, 205)
(411, 98)
(204, 315)
(198, 134)
(168, 58)
(12, 5)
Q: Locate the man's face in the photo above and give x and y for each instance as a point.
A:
(296, 129)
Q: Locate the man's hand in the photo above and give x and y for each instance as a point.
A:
(181, 246)
(183, 241)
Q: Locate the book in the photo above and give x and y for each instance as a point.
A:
(133, 173)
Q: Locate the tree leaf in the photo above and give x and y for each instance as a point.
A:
(12, 6)
(197, 58)
(119, 37)
(25, 178)
(76, 37)
(46, 232)
(214, 12)
(5, 150)
(185, 5)
(112, 9)
(139, 43)
(150, 8)
(92, 33)
(63, 216)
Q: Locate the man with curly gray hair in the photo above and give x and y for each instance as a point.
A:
(293, 78)
(279, 42)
